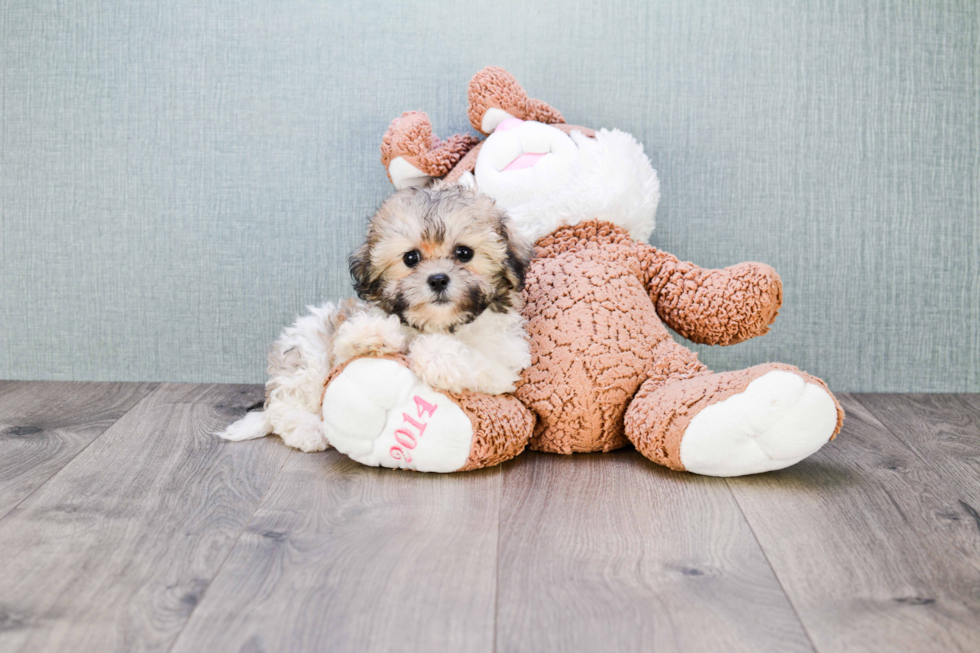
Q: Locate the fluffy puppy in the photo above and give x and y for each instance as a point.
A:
(438, 279)
(438, 258)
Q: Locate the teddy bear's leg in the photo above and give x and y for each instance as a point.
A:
(378, 412)
(733, 423)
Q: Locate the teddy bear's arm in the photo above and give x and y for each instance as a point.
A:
(712, 307)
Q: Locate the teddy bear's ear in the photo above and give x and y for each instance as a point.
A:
(412, 154)
(495, 96)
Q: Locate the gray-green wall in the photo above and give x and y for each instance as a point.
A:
(180, 178)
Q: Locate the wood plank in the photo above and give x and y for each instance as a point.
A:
(969, 399)
(44, 424)
(872, 538)
(115, 551)
(342, 557)
(609, 552)
(942, 429)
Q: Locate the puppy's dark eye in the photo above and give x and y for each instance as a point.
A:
(463, 253)
(412, 258)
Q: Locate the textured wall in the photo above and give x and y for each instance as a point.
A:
(179, 179)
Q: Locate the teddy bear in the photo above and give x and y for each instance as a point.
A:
(605, 372)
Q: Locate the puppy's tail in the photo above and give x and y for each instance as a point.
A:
(252, 426)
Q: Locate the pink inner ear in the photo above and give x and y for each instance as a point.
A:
(524, 161)
(510, 123)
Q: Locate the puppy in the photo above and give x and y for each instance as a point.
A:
(439, 280)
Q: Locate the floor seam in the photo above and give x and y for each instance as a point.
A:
(897, 436)
(231, 549)
(765, 556)
(68, 462)
(496, 566)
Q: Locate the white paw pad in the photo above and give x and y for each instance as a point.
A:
(777, 421)
(379, 413)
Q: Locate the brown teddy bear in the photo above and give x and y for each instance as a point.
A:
(605, 371)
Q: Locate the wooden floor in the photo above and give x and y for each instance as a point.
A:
(125, 526)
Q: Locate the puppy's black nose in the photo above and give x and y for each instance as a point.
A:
(438, 281)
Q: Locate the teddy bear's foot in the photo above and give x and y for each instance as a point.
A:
(756, 420)
(378, 412)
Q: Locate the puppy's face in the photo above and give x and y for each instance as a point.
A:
(438, 257)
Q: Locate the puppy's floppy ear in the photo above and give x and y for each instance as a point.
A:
(367, 285)
(518, 256)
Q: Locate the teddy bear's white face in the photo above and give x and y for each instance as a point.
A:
(522, 160)
(546, 179)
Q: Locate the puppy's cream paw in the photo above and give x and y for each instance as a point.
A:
(367, 334)
(381, 414)
(304, 431)
(447, 364)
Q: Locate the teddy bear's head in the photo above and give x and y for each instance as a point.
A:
(545, 173)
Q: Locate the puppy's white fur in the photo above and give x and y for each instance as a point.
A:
(486, 355)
